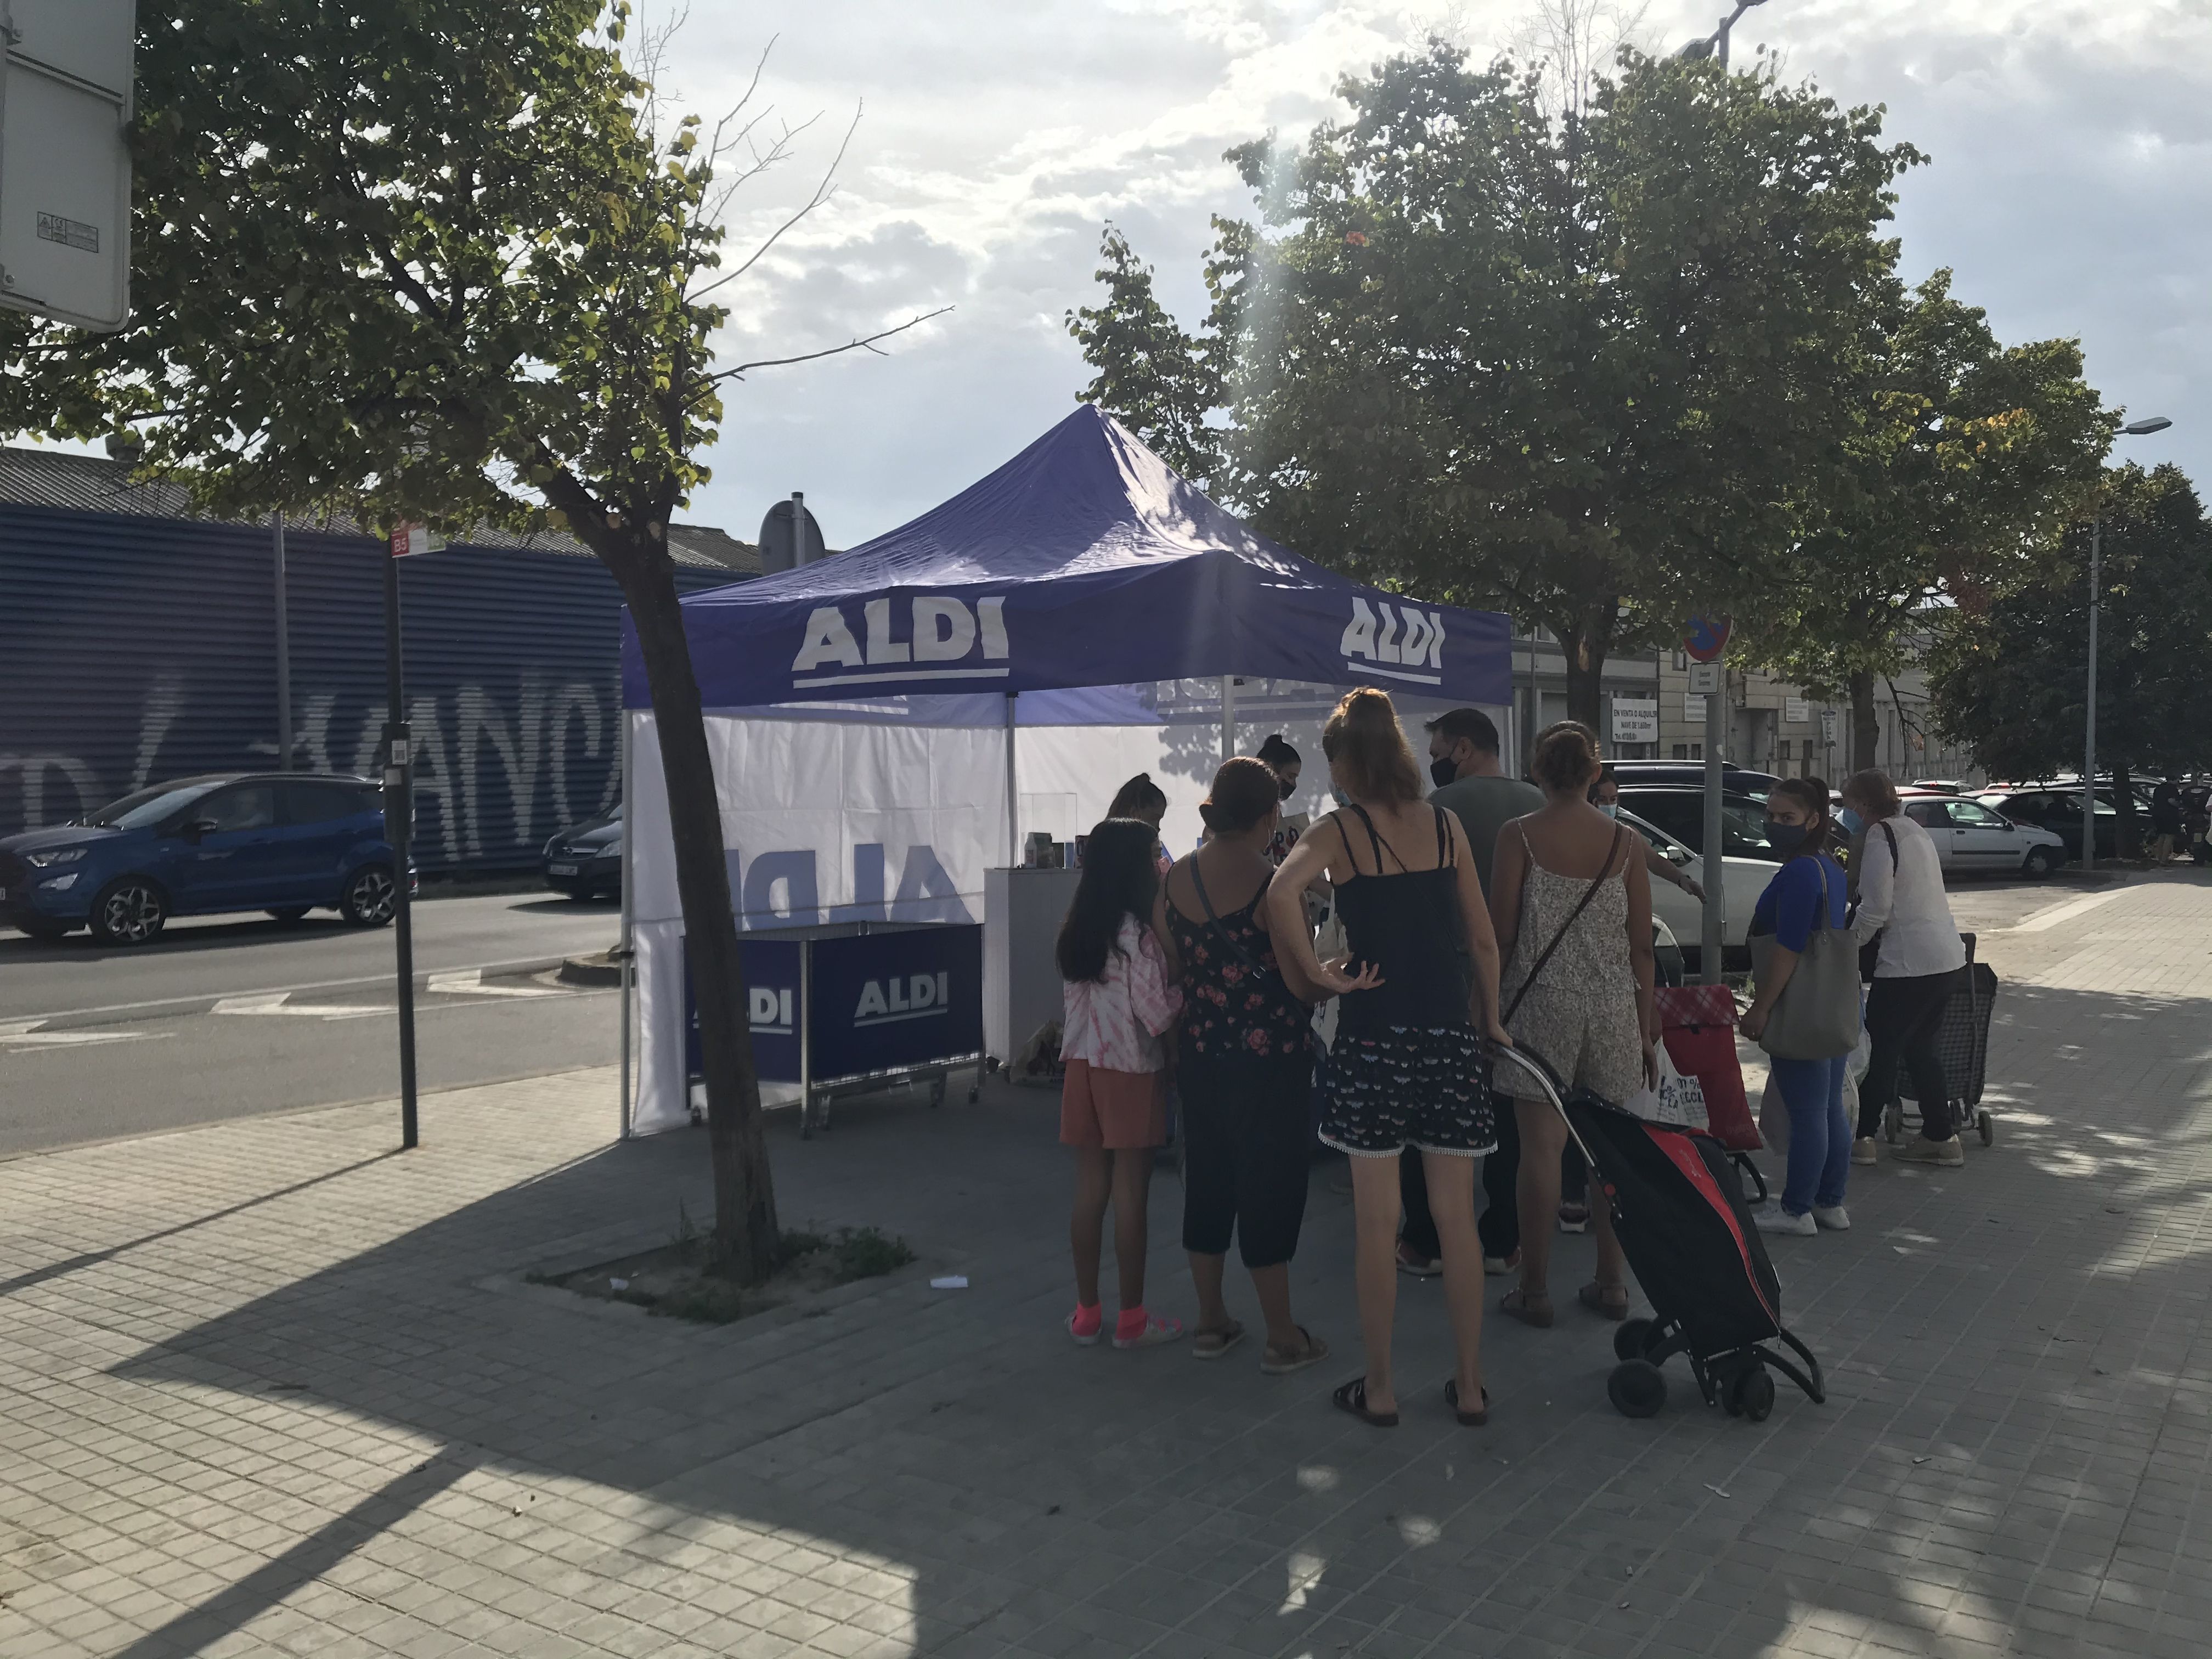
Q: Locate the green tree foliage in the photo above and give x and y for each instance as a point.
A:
(430, 261)
(1967, 460)
(2012, 681)
(1597, 369)
(1158, 381)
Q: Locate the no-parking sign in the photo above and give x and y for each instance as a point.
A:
(1706, 638)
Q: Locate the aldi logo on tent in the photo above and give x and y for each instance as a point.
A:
(1411, 639)
(929, 636)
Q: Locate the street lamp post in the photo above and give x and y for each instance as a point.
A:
(2134, 429)
(1716, 44)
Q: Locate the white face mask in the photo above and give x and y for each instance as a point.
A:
(1612, 810)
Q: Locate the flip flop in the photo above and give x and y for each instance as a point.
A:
(1609, 1300)
(1219, 1340)
(1528, 1309)
(1474, 1419)
(1315, 1351)
(1352, 1397)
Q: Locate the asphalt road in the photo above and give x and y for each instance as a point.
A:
(230, 956)
(312, 1021)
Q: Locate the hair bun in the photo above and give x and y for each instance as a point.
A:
(1565, 757)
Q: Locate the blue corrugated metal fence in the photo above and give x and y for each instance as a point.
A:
(134, 650)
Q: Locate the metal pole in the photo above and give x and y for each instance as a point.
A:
(1228, 718)
(806, 1038)
(1013, 801)
(398, 825)
(2089, 739)
(283, 647)
(625, 947)
(1709, 944)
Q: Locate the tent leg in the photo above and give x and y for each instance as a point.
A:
(1013, 801)
(628, 916)
(1228, 717)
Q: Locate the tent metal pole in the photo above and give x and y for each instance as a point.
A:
(1228, 717)
(624, 950)
(1013, 801)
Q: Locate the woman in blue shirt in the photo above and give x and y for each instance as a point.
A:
(1807, 892)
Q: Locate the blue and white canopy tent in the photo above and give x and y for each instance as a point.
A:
(886, 724)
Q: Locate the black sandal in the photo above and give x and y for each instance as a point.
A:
(1352, 1397)
(1475, 1419)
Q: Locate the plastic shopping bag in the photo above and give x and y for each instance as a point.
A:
(1674, 1100)
(1774, 1118)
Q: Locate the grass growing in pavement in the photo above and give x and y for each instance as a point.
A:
(675, 1282)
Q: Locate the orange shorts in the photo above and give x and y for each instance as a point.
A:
(1114, 1110)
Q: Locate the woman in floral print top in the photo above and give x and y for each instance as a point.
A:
(1244, 1067)
(1234, 1001)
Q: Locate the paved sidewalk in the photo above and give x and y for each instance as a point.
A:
(271, 1388)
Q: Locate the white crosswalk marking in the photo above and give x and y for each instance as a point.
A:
(22, 1041)
(469, 981)
(2044, 920)
(280, 1002)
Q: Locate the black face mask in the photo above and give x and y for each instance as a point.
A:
(1443, 771)
(1286, 788)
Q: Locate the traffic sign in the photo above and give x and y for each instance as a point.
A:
(65, 160)
(1707, 638)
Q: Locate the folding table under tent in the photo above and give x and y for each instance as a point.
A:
(886, 724)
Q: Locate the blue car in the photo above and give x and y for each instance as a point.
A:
(284, 843)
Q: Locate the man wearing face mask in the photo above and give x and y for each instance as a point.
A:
(1469, 783)
(1463, 765)
(1285, 763)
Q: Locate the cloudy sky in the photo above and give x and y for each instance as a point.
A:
(2070, 188)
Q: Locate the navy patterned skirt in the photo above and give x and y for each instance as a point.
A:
(1408, 1085)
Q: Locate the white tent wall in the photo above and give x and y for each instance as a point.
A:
(839, 814)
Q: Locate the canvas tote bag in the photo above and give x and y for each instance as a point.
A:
(1818, 1015)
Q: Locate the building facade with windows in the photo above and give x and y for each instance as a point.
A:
(1776, 726)
(1647, 712)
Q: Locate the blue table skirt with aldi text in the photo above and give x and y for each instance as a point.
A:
(883, 1000)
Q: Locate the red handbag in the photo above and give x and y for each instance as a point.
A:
(1698, 1025)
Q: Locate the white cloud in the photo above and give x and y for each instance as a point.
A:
(2071, 191)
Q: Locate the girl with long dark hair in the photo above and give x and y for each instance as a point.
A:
(1119, 1003)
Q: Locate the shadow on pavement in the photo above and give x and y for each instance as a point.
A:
(93, 1258)
(2012, 1450)
(207, 1626)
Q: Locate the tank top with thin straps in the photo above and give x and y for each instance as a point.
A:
(1407, 923)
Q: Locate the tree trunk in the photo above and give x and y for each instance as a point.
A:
(747, 1241)
(1866, 729)
(1584, 643)
(2127, 838)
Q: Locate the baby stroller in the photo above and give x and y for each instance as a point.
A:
(1679, 1211)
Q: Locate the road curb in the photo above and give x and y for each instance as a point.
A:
(591, 968)
(180, 1007)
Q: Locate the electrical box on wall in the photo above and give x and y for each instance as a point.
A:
(65, 112)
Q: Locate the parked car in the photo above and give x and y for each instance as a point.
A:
(586, 862)
(2057, 809)
(1972, 839)
(1690, 774)
(1667, 964)
(1680, 812)
(1684, 917)
(284, 843)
